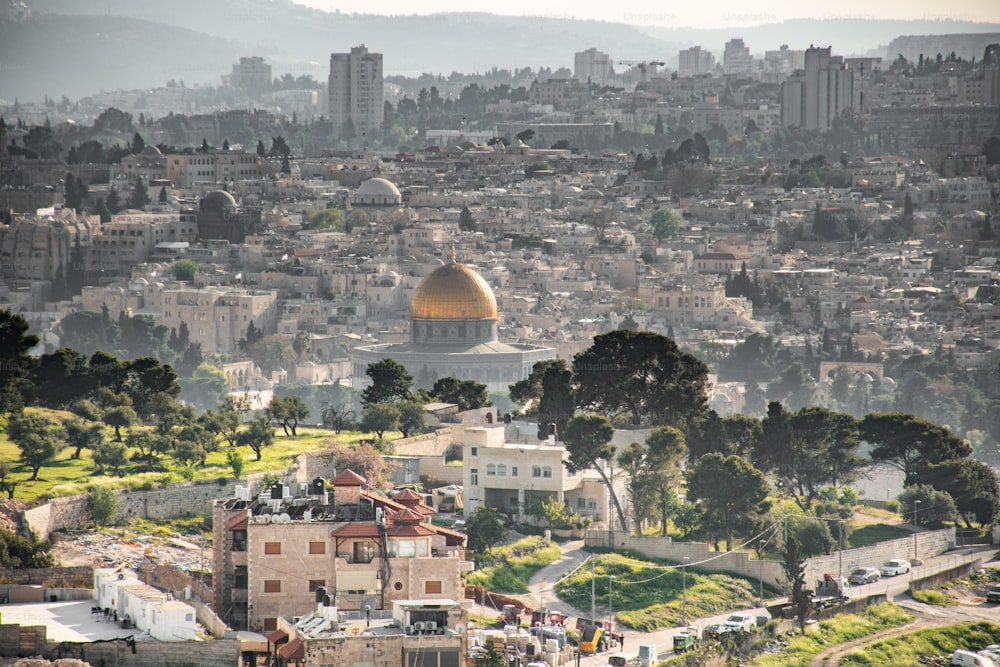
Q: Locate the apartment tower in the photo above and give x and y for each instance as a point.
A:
(356, 94)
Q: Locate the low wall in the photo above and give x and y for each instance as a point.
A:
(51, 577)
(215, 625)
(946, 575)
(736, 562)
(929, 544)
(182, 499)
(30, 640)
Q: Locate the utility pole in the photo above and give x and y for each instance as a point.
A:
(611, 602)
(593, 596)
(684, 591)
(760, 558)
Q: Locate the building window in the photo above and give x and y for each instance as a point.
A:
(547, 472)
(317, 548)
(406, 549)
(474, 477)
(272, 585)
(473, 451)
(364, 552)
(315, 584)
(272, 548)
(491, 469)
(270, 624)
(513, 471)
(536, 471)
(501, 470)
(581, 503)
(432, 588)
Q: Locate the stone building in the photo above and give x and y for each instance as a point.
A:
(275, 550)
(454, 328)
(220, 218)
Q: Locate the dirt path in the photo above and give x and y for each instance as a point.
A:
(542, 584)
(927, 616)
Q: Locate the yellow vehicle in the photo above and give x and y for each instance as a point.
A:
(590, 639)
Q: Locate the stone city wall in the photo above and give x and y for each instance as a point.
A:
(183, 499)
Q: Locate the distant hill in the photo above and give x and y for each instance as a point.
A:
(847, 37)
(81, 55)
(143, 43)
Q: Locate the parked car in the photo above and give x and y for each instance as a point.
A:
(993, 593)
(713, 631)
(739, 622)
(686, 639)
(891, 568)
(970, 659)
(863, 575)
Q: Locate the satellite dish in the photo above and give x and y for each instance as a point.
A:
(460, 628)
(355, 629)
(285, 517)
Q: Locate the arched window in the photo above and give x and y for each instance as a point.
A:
(502, 470)
(547, 472)
(491, 469)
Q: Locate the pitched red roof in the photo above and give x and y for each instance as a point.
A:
(277, 636)
(409, 530)
(407, 495)
(356, 530)
(453, 538)
(407, 516)
(238, 521)
(348, 478)
(293, 650)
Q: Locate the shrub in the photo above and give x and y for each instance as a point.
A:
(892, 506)
(102, 503)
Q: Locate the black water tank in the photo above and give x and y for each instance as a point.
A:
(276, 491)
(318, 486)
(320, 594)
(327, 601)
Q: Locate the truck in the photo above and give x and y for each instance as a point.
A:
(591, 639)
(545, 617)
(686, 639)
(510, 615)
(830, 591)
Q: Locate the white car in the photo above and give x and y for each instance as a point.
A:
(894, 567)
(739, 622)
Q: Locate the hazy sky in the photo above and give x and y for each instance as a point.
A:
(716, 14)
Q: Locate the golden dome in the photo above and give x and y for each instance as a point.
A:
(453, 292)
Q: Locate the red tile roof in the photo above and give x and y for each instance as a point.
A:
(238, 521)
(293, 650)
(409, 530)
(277, 636)
(407, 494)
(348, 478)
(356, 530)
(407, 516)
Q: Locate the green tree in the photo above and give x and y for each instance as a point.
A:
(110, 454)
(15, 362)
(139, 198)
(412, 418)
(467, 394)
(138, 144)
(38, 437)
(971, 484)
(588, 438)
(910, 443)
(162, 197)
(288, 412)
(390, 382)
(933, 508)
(814, 536)
(257, 435)
(643, 376)
(7, 484)
(236, 462)
(550, 388)
(81, 436)
(102, 503)
(185, 270)
(19, 552)
(794, 565)
(733, 506)
(113, 202)
(664, 223)
(378, 418)
(485, 530)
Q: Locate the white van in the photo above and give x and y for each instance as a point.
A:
(970, 659)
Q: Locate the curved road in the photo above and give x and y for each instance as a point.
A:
(542, 585)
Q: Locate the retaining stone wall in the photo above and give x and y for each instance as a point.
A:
(952, 573)
(930, 543)
(183, 499)
(79, 577)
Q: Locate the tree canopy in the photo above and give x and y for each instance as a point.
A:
(390, 382)
(731, 493)
(588, 439)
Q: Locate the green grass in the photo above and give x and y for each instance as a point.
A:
(933, 597)
(875, 532)
(647, 597)
(844, 628)
(914, 648)
(513, 576)
(66, 477)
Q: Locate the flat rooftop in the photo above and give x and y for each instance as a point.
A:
(67, 621)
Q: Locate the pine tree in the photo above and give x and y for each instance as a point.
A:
(101, 209)
(114, 202)
(139, 199)
(225, 144)
(138, 144)
(163, 195)
(261, 150)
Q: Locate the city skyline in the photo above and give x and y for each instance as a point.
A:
(719, 15)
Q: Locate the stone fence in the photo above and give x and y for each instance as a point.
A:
(81, 576)
(183, 499)
(701, 557)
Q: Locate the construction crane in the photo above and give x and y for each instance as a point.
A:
(642, 65)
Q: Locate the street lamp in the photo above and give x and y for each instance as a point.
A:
(684, 592)
(760, 558)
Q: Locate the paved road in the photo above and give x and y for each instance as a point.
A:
(543, 582)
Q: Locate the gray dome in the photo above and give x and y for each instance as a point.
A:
(378, 187)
